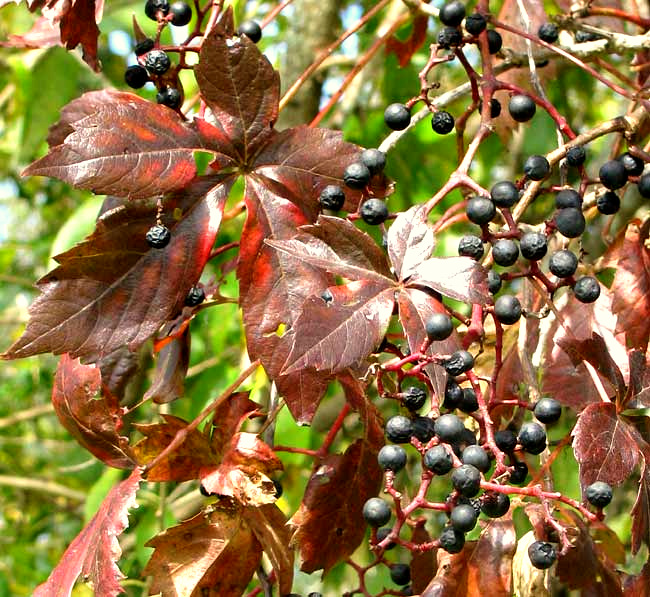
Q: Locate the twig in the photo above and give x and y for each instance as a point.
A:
(43, 486)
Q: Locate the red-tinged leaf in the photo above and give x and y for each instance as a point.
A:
(94, 552)
(151, 152)
(404, 50)
(342, 332)
(460, 278)
(78, 22)
(423, 563)
(171, 368)
(639, 585)
(95, 422)
(213, 554)
(415, 308)
(271, 529)
(302, 391)
(301, 161)
(631, 286)
(118, 369)
(373, 424)
(604, 445)
(241, 88)
(641, 510)
(410, 241)
(43, 34)
(228, 418)
(113, 288)
(182, 464)
(638, 390)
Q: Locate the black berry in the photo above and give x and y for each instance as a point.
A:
(563, 263)
(442, 122)
(466, 479)
(400, 574)
(519, 474)
(608, 203)
(439, 327)
(279, 490)
(586, 289)
(374, 160)
(392, 458)
(382, 534)
(332, 197)
(533, 245)
(397, 117)
(495, 107)
(505, 440)
(570, 222)
(521, 107)
(477, 457)
(449, 428)
(536, 167)
(643, 186)
(463, 518)
(494, 281)
(181, 13)
(468, 402)
(144, 46)
(414, 398)
(158, 236)
(449, 37)
(504, 194)
(547, 410)
(376, 512)
(423, 428)
(532, 438)
(169, 97)
(568, 198)
(495, 41)
(251, 30)
(475, 23)
(399, 429)
(471, 246)
(451, 540)
(632, 164)
(459, 362)
(453, 394)
(613, 175)
(548, 32)
(507, 309)
(438, 460)
(153, 7)
(157, 62)
(195, 296)
(495, 504)
(542, 555)
(374, 211)
(505, 252)
(356, 175)
(480, 210)
(585, 36)
(136, 76)
(452, 14)
(576, 156)
(599, 494)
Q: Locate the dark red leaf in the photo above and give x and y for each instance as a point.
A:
(638, 586)
(423, 563)
(241, 88)
(641, 510)
(95, 550)
(171, 368)
(228, 418)
(638, 390)
(410, 241)
(78, 22)
(404, 50)
(113, 289)
(302, 391)
(43, 34)
(118, 369)
(339, 333)
(150, 153)
(604, 445)
(95, 420)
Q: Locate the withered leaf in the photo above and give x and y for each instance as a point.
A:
(171, 368)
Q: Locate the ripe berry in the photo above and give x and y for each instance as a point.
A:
(471, 246)
(495, 41)
(423, 429)
(195, 296)
(586, 289)
(451, 540)
(477, 457)
(392, 458)
(542, 555)
(449, 428)
(505, 440)
(376, 512)
(632, 164)
(507, 309)
(452, 14)
(613, 175)
(463, 518)
(181, 13)
(453, 394)
(563, 264)
(153, 7)
(643, 186)
(519, 474)
(449, 37)
(475, 23)
(480, 210)
(356, 175)
(494, 281)
(251, 30)
(158, 236)
(459, 362)
(438, 460)
(374, 211)
(608, 203)
(495, 504)
(568, 198)
(533, 245)
(505, 252)
(169, 97)
(548, 32)
(374, 160)
(570, 222)
(332, 197)
(439, 327)
(495, 107)
(144, 46)
(399, 429)
(382, 534)
(584, 36)
(599, 494)
(414, 398)
(397, 117)
(521, 107)
(400, 574)
(442, 122)
(157, 62)
(468, 402)
(532, 438)
(466, 479)
(536, 167)
(547, 410)
(576, 156)
(136, 76)
(504, 194)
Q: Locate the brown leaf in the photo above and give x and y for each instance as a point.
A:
(404, 50)
(184, 463)
(95, 550)
(410, 241)
(228, 418)
(94, 421)
(423, 563)
(113, 289)
(638, 586)
(118, 369)
(171, 368)
(78, 22)
(638, 390)
(641, 510)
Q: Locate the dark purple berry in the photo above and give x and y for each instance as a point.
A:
(158, 236)
(536, 167)
(468, 402)
(449, 37)
(400, 574)
(494, 281)
(195, 296)
(532, 438)
(608, 203)
(613, 175)
(599, 494)
(576, 156)
(376, 512)
(466, 479)
(439, 327)
(533, 245)
(463, 518)
(521, 107)
(505, 252)
(568, 198)
(519, 474)
(632, 164)
(144, 46)
(449, 428)
(356, 175)
(452, 14)
(507, 309)
(136, 76)
(170, 97)
(495, 504)
(397, 117)
(471, 246)
(442, 122)
(438, 460)
(451, 540)
(643, 186)
(157, 62)
(570, 222)
(459, 362)
(332, 197)
(504, 194)
(153, 7)
(392, 458)
(374, 160)
(586, 289)
(542, 555)
(374, 211)
(181, 13)
(414, 398)
(495, 41)
(251, 30)
(476, 456)
(480, 210)
(475, 23)
(548, 32)
(563, 263)
(399, 429)
(505, 440)
(547, 410)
